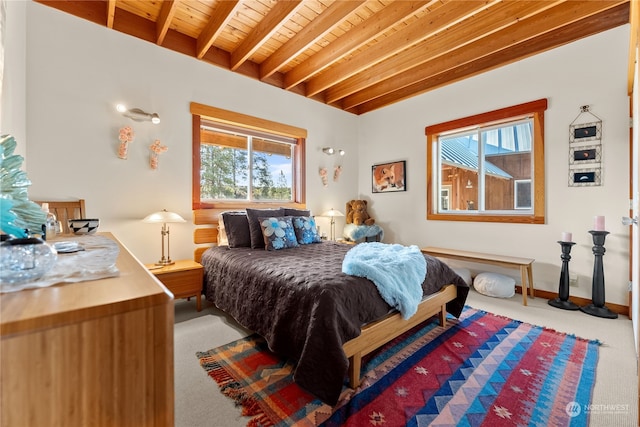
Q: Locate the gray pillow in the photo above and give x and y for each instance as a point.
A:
(296, 212)
(257, 239)
(236, 226)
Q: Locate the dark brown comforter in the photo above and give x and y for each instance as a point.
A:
(304, 306)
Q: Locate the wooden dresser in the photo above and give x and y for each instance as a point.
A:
(96, 353)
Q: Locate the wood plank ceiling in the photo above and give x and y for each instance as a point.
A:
(356, 55)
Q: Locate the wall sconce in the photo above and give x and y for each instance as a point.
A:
(469, 184)
(138, 115)
(330, 151)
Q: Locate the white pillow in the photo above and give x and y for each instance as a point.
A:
(495, 285)
(222, 234)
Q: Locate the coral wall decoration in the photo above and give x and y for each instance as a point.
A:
(125, 137)
(336, 173)
(323, 177)
(156, 150)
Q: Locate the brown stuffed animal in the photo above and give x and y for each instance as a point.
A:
(357, 213)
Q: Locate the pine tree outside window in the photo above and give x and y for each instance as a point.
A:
(241, 166)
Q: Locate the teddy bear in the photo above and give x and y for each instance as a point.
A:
(357, 213)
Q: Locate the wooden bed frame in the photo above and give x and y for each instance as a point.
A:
(373, 335)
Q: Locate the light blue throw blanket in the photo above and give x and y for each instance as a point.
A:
(397, 271)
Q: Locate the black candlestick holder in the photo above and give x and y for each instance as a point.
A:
(597, 307)
(563, 288)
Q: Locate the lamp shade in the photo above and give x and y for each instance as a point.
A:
(163, 216)
(332, 213)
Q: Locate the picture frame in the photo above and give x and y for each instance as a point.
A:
(585, 155)
(585, 177)
(585, 132)
(389, 177)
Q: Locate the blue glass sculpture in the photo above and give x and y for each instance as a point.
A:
(17, 213)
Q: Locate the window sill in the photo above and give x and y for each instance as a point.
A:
(513, 219)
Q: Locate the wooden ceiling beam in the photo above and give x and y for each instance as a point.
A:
(93, 11)
(134, 25)
(310, 34)
(476, 27)
(167, 11)
(111, 12)
(525, 29)
(353, 43)
(589, 26)
(280, 13)
(219, 20)
(437, 20)
(357, 37)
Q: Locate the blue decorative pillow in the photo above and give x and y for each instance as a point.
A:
(306, 230)
(278, 233)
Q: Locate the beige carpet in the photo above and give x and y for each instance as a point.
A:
(199, 403)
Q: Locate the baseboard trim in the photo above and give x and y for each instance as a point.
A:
(616, 308)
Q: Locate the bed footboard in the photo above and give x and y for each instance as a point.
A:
(376, 334)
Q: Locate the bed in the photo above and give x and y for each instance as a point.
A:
(299, 300)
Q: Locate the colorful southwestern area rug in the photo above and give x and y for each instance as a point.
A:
(480, 370)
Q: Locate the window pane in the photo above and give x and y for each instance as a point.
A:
(224, 167)
(459, 172)
(505, 163)
(272, 170)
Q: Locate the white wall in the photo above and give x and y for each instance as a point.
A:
(13, 104)
(591, 72)
(78, 71)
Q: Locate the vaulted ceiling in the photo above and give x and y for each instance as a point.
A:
(356, 55)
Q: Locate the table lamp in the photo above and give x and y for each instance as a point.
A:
(332, 213)
(164, 217)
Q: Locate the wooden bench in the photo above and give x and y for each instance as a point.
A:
(525, 265)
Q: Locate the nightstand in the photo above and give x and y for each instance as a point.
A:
(183, 279)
